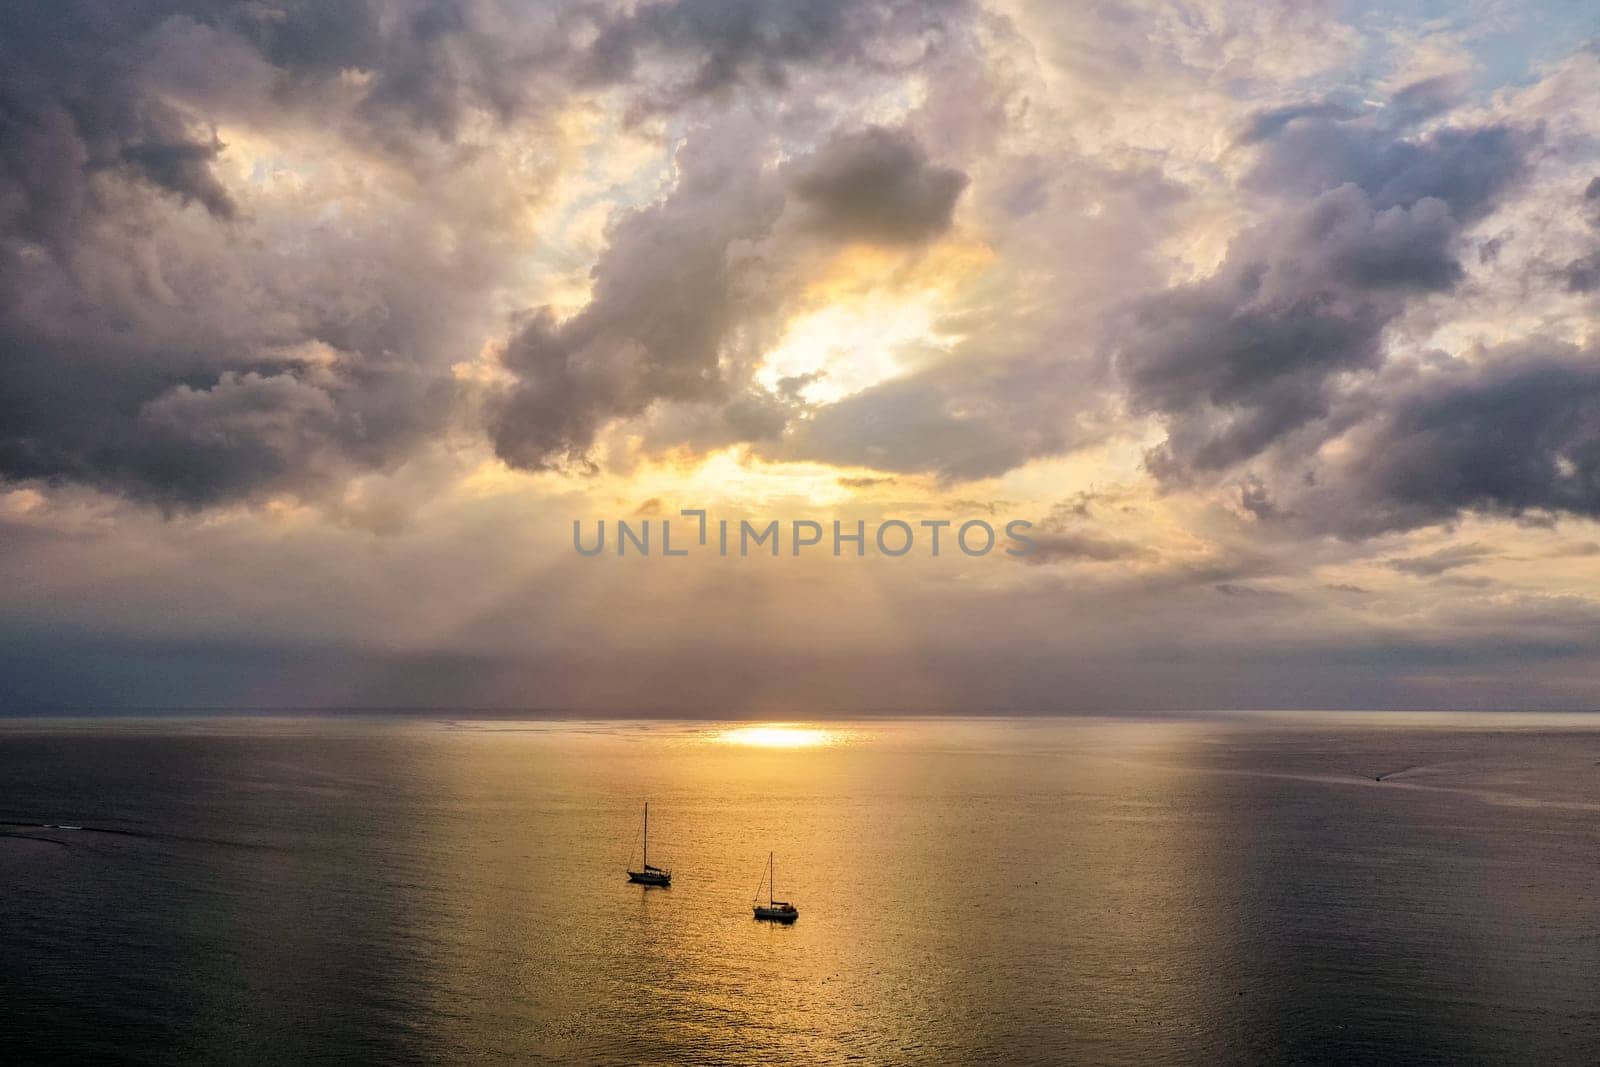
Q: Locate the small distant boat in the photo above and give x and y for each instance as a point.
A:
(649, 875)
(778, 911)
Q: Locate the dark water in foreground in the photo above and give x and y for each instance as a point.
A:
(1197, 889)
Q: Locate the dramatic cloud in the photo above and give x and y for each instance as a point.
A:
(877, 186)
(194, 358)
(667, 293)
(314, 312)
(160, 353)
(1238, 361)
(1515, 432)
(720, 43)
(685, 296)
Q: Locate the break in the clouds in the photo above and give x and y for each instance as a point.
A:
(689, 289)
(182, 335)
(1280, 321)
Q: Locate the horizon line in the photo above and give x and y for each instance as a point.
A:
(683, 715)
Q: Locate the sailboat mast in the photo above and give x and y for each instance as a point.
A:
(647, 835)
(771, 873)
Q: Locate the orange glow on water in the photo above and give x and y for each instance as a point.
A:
(778, 735)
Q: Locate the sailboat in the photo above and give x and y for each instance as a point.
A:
(778, 911)
(649, 875)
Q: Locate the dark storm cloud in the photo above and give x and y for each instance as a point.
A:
(424, 64)
(429, 61)
(148, 354)
(72, 107)
(878, 185)
(83, 86)
(1463, 167)
(687, 286)
(182, 167)
(1517, 433)
(724, 42)
(1242, 360)
(1246, 357)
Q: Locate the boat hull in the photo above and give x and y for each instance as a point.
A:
(777, 915)
(649, 878)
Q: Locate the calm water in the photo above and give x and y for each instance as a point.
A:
(1232, 889)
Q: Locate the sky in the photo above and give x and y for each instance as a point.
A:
(321, 325)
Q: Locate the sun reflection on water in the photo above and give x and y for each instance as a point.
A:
(779, 735)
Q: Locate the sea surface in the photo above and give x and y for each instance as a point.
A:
(1244, 888)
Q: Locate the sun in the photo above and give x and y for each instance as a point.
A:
(778, 735)
(844, 348)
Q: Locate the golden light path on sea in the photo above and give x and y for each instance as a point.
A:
(779, 735)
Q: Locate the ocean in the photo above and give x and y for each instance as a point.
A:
(1234, 888)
